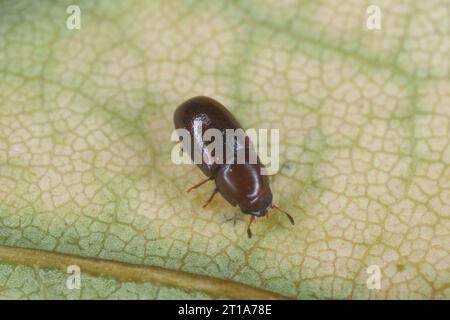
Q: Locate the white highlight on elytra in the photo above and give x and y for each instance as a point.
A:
(235, 147)
(73, 21)
(373, 21)
(74, 279)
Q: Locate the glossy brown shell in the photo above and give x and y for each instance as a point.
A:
(212, 115)
(239, 184)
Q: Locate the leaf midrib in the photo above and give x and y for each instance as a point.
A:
(122, 271)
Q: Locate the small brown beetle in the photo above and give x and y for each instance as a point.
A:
(240, 184)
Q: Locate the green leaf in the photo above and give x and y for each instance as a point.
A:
(86, 177)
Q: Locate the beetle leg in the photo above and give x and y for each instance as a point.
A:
(198, 185)
(211, 197)
(249, 232)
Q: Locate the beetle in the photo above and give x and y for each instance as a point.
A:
(241, 184)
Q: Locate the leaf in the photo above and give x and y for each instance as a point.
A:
(86, 176)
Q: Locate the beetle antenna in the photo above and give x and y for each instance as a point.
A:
(287, 214)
